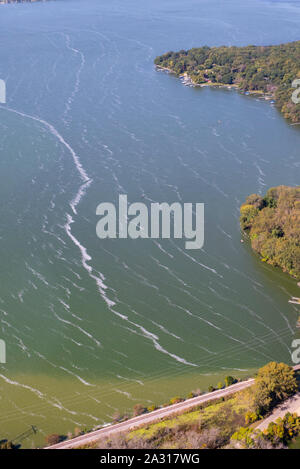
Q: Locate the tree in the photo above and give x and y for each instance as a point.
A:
(176, 400)
(244, 437)
(138, 409)
(53, 439)
(274, 383)
(273, 225)
(229, 380)
(151, 408)
(268, 70)
(6, 444)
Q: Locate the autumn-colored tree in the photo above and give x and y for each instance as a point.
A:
(53, 439)
(273, 383)
(273, 226)
(138, 409)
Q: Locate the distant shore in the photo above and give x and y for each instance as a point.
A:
(4, 2)
(268, 72)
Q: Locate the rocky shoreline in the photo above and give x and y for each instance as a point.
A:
(188, 81)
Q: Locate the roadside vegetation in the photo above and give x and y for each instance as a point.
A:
(273, 225)
(225, 423)
(267, 70)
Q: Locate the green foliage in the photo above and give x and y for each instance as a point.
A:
(229, 380)
(277, 435)
(259, 69)
(251, 417)
(176, 400)
(151, 408)
(273, 224)
(248, 213)
(273, 383)
(283, 429)
(190, 429)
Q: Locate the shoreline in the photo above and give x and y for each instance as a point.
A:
(188, 81)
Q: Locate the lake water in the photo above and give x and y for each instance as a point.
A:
(92, 327)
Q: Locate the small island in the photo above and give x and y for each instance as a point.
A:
(266, 71)
(273, 225)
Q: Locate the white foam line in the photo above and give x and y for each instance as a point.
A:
(80, 194)
(24, 386)
(197, 262)
(85, 258)
(77, 82)
(84, 254)
(56, 134)
(77, 376)
(154, 339)
(79, 328)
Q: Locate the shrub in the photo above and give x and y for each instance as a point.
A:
(274, 383)
(229, 380)
(138, 409)
(245, 437)
(53, 439)
(251, 417)
(152, 407)
(283, 430)
(176, 400)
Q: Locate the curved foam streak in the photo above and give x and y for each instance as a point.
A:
(38, 393)
(155, 340)
(85, 258)
(84, 254)
(56, 134)
(76, 376)
(79, 328)
(77, 82)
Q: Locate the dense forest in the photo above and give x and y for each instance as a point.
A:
(267, 70)
(273, 224)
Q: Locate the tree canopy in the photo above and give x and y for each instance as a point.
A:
(274, 383)
(273, 224)
(269, 70)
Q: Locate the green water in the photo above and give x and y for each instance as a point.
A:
(295, 444)
(94, 326)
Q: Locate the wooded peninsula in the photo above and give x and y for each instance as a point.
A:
(273, 224)
(269, 71)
